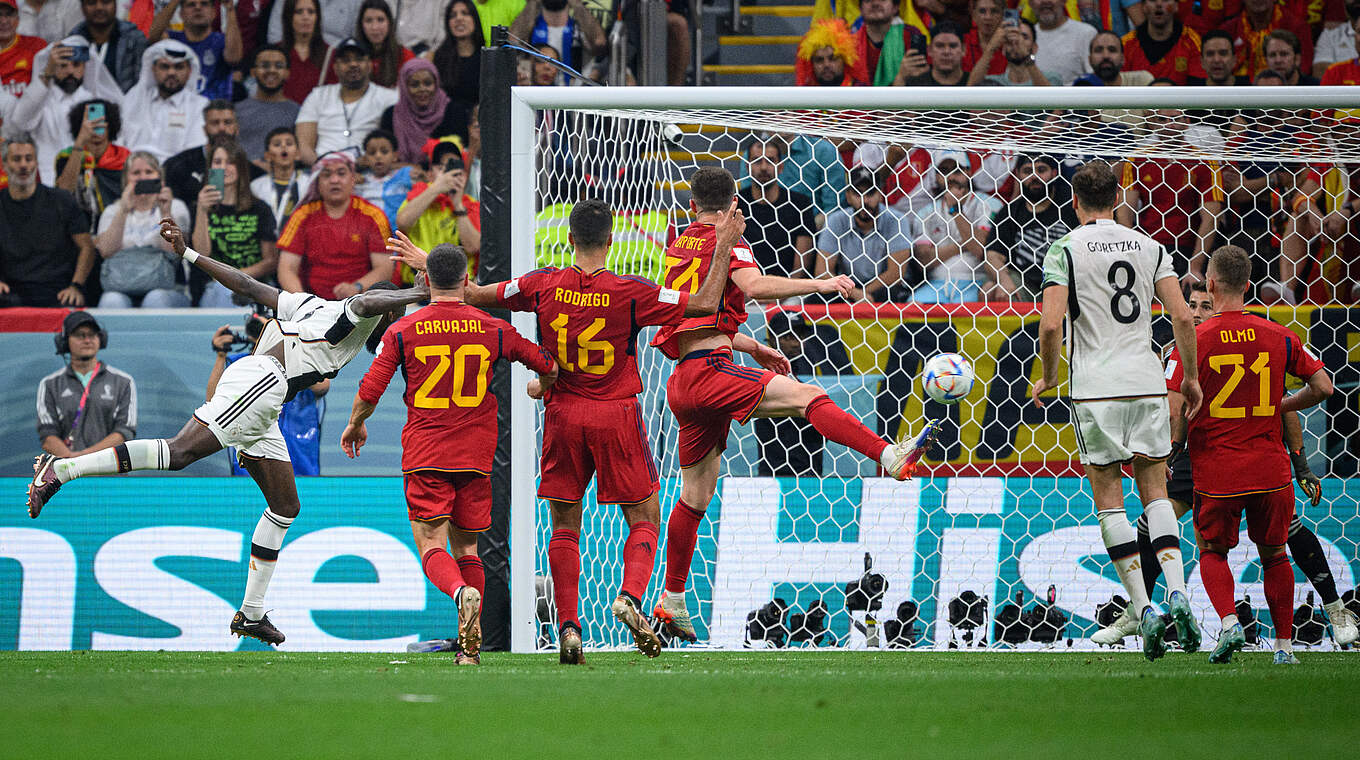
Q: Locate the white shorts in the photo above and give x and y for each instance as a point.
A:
(1111, 432)
(244, 411)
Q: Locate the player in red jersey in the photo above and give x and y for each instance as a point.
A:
(592, 426)
(445, 352)
(1236, 450)
(707, 390)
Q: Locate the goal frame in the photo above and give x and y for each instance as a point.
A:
(525, 101)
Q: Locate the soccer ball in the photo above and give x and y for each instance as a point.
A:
(947, 378)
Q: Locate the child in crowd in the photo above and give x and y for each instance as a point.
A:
(386, 183)
(286, 181)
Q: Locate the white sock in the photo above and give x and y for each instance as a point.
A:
(672, 596)
(146, 454)
(264, 555)
(1122, 543)
(1284, 645)
(1229, 621)
(1162, 529)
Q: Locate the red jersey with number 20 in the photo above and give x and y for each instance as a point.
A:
(445, 352)
(590, 321)
(1235, 442)
(687, 261)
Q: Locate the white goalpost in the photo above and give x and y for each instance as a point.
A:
(995, 544)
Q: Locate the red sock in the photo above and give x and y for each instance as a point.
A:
(1218, 582)
(474, 573)
(1279, 583)
(564, 562)
(639, 553)
(837, 425)
(682, 531)
(442, 571)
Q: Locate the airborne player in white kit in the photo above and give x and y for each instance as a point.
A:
(1102, 276)
(309, 339)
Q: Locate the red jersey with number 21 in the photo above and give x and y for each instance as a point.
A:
(445, 352)
(687, 261)
(590, 321)
(1235, 442)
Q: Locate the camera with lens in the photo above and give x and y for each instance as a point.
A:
(766, 624)
(865, 594)
(253, 328)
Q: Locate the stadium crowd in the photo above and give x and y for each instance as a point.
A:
(292, 136)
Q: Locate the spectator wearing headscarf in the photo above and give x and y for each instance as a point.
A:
(423, 110)
(163, 113)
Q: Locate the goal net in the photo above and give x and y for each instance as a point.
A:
(940, 204)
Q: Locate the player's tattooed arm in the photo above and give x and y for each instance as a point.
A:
(231, 278)
(706, 300)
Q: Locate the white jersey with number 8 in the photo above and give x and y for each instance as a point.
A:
(1110, 272)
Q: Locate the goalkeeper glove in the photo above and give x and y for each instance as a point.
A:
(1303, 474)
(1177, 450)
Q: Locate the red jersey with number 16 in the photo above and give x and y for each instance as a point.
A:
(590, 321)
(687, 262)
(445, 352)
(1235, 442)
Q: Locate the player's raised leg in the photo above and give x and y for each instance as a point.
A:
(192, 443)
(787, 397)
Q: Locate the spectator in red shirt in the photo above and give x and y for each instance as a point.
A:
(308, 55)
(1259, 18)
(1204, 15)
(335, 243)
(1348, 71)
(376, 26)
(987, 15)
(1163, 46)
(16, 50)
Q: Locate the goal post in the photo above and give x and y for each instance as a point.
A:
(998, 510)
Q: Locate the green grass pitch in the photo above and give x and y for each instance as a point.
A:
(684, 704)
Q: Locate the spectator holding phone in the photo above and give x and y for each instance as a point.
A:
(1015, 39)
(231, 224)
(140, 268)
(440, 212)
(91, 169)
(890, 50)
(44, 110)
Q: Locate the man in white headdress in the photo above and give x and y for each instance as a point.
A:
(44, 109)
(163, 112)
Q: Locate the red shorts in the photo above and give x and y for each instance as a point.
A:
(463, 498)
(605, 439)
(705, 393)
(1268, 516)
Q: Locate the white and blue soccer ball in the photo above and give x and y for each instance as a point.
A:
(948, 378)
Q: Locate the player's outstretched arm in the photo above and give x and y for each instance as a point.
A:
(1050, 339)
(764, 287)
(706, 300)
(413, 256)
(231, 278)
(1318, 389)
(375, 302)
(1183, 328)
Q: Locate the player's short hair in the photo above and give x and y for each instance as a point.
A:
(1199, 286)
(446, 266)
(592, 220)
(712, 188)
(1230, 266)
(1096, 185)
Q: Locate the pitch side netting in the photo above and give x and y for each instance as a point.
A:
(995, 544)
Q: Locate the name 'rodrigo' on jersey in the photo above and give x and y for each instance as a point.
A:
(1110, 272)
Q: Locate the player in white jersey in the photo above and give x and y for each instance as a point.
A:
(309, 339)
(1102, 277)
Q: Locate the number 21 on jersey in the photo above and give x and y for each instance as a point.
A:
(1235, 363)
